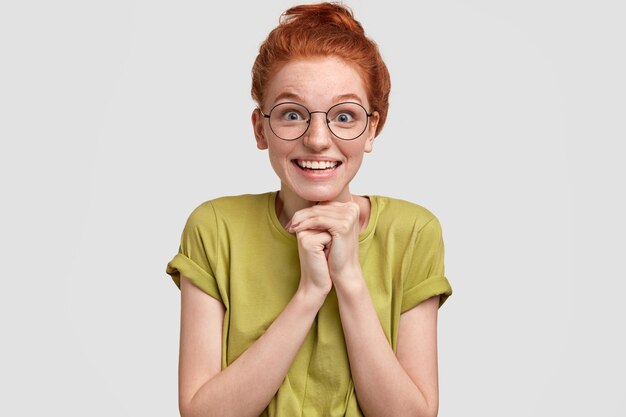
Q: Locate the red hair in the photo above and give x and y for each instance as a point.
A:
(325, 29)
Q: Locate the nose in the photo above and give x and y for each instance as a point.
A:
(318, 136)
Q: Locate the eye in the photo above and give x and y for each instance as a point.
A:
(346, 114)
(292, 116)
(289, 113)
(344, 117)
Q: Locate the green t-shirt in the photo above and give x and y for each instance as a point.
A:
(235, 250)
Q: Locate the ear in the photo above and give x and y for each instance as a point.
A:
(259, 129)
(371, 132)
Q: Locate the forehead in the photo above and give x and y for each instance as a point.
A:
(316, 82)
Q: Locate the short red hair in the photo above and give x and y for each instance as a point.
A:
(325, 29)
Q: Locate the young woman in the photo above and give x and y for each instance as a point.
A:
(312, 301)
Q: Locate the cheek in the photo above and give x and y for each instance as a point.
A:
(279, 152)
(354, 151)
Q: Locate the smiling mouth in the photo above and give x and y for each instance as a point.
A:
(317, 166)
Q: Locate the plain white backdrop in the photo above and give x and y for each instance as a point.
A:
(117, 118)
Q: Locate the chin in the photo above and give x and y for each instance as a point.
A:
(319, 194)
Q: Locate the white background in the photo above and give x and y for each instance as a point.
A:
(117, 118)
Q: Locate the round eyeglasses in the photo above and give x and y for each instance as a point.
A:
(290, 121)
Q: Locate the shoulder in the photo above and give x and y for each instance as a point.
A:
(401, 214)
(235, 213)
(229, 206)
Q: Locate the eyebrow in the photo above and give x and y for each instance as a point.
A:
(349, 96)
(293, 96)
(288, 95)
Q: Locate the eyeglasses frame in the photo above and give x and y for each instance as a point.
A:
(308, 122)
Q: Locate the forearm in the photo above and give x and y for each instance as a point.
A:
(383, 388)
(237, 390)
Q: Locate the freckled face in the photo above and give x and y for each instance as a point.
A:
(318, 84)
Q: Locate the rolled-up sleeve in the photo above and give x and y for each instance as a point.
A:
(196, 255)
(426, 275)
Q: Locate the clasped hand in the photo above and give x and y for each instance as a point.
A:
(328, 243)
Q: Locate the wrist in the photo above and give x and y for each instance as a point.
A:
(349, 280)
(311, 295)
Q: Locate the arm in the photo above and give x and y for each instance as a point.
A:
(386, 384)
(206, 391)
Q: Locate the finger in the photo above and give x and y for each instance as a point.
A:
(327, 249)
(325, 216)
(329, 207)
(332, 203)
(314, 239)
(333, 225)
(336, 211)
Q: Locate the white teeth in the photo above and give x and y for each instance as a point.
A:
(317, 164)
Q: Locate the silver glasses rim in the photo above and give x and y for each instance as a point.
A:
(267, 116)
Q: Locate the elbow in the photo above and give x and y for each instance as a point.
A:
(432, 409)
(184, 408)
(426, 408)
(420, 409)
(425, 413)
(429, 404)
(191, 408)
